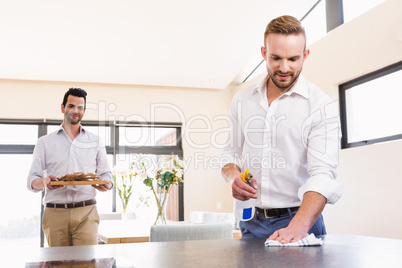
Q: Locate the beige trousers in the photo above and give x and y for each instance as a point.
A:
(71, 226)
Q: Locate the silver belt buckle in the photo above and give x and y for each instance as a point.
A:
(266, 215)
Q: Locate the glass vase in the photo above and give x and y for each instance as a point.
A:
(161, 206)
(124, 213)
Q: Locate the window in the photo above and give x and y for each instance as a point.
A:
(354, 8)
(18, 134)
(20, 220)
(143, 201)
(152, 141)
(124, 141)
(370, 107)
(136, 136)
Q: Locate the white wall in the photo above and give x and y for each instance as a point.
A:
(371, 175)
(195, 108)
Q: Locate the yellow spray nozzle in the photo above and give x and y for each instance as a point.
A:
(246, 177)
(243, 177)
(246, 172)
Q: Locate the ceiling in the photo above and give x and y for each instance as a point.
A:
(211, 44)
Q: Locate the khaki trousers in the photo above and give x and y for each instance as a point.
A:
(71, 226)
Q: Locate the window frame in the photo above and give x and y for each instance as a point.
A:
(113, 149)
(157, 150)
(342, 105)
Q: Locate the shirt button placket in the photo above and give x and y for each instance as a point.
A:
(71, 161)
(265, 160)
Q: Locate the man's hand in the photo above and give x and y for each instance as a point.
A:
(240, 190)
(40, 183)
(289, 234)
(310, 210)
(103, 187)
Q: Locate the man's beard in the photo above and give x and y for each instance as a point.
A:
(284, 85)
(72, 121)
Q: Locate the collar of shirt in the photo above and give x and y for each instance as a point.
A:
(61, 128)
(298, 88)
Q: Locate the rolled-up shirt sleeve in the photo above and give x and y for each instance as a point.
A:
(38, 165)
(322, 154)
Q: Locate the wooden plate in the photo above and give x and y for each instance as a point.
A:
(78, 182)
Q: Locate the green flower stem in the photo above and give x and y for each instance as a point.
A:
(124, 189)
(156, 197)
(124, 209)
(164, 198)
(160, 206)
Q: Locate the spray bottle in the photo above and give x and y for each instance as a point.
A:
(244, 210)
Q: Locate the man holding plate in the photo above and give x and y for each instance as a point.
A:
(70, 217)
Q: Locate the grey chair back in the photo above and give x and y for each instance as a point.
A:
(182, 232)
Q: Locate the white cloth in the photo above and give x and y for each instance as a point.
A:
(56, 154)
(310, 240)
(290, 147)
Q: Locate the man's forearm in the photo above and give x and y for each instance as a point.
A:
(310, 210)
(39, 183)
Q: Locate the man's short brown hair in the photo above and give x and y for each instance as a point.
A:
(284, 25)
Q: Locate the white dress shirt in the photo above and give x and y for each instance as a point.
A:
(56, 154)
(290, 147)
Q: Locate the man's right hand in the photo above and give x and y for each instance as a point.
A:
(240, 190)
(41, 183)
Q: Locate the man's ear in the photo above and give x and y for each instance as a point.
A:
(264, 53)
(62, 108)
(306, 53)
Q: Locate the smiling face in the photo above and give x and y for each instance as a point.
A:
(284, 55)
(74, 109)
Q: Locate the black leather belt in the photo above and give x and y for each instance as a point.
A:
(72, 205)
(276, 212)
